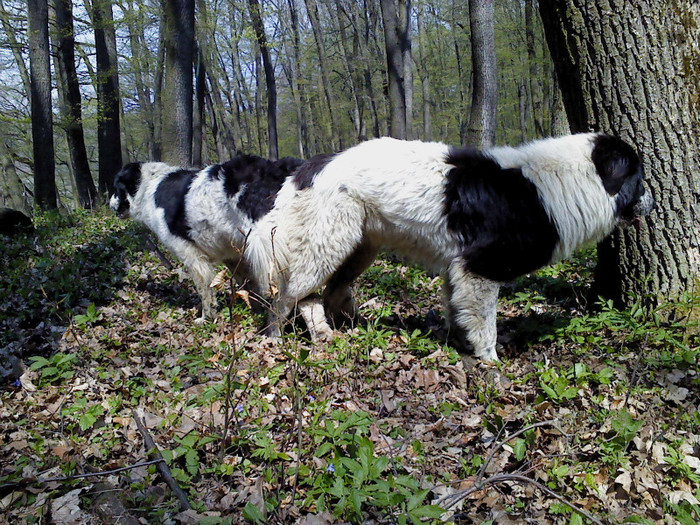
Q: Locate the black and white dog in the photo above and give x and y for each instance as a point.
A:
(478, 218)
(225, 213)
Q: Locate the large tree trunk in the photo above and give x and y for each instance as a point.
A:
(73, 119)
(396, 41)
(482, 119)
(108, 128)
(632, 67)
(42, 117)
(270, 83)
(177, 102)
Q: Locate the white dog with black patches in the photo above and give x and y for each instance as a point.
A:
(477, 218)
(224, 213)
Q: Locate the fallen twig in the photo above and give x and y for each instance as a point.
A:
(499, 444)
(152, 449)
(33, 480)
(519, 478)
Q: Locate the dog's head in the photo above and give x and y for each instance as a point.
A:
(126, 184)
(621, 173)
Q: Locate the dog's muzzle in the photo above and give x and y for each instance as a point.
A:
(118, 205)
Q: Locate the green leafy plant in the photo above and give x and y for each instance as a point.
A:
(54, 369)
(623, 429)
(355, 479)
(91, 316)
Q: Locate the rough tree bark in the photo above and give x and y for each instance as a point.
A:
(177, 108)
(397, 43)
(270, 83)
(482, 120)
(73, 119)
(109, 156)
(632, 67)
(42, 117)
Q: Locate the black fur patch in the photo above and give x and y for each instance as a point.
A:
(304, 176)
(505, 230)
(614, 160)
(262, 179)
(126, 182)
(170, 195)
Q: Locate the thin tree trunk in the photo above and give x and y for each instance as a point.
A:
(139, 52)
(405, 37)
(108, 122)
(270, 83)
(631, 67)
(312, 12)
(177, 116)
(366, 54)
(198, 111)
(16, 48)
(295, 82)
(463, 82)
(534, 76)
(72, 118)
(349, 59)
(158, 80)
(16, 194)
(482, 119)
(424, 76)
(45, 195)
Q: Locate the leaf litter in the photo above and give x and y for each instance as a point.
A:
(587, 415)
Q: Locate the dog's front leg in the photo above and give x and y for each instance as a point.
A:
(313, 313)
(471, 309)
(202, 274)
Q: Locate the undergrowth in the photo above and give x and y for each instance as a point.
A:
(385, 424)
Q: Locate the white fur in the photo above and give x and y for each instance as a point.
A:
(221, 233)
(389, 194)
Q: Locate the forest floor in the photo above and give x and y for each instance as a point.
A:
(385, 424)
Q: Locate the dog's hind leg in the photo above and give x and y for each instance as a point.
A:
(338, 300)
(470, 301)
(202, 272)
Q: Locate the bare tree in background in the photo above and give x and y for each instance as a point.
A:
(270, 83)
(42, 118)
(633, 68)
(109, 148)
(73, 118)
(396, 19)
(482, 119)
(177, 104)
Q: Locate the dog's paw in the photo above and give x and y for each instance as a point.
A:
(322, 334)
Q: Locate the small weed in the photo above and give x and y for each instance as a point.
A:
(624, 428)
(54, 369)
(91, 316)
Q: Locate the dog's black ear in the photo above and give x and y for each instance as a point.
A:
(129, 177)
(615, 160)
